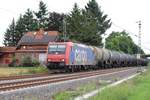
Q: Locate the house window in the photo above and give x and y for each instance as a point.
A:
(34, 33)
(17, 61)
(24, 47)
(7, 61)
(45, 33)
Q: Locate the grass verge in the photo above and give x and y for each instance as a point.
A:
(135, 89)
(10, 71)
(71, 93)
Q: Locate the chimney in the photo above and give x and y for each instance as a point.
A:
(41, 31)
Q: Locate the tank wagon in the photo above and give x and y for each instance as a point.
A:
(69, 56)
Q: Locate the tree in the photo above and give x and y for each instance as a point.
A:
(24, 24)
(75, 23)
(94, 11)
(55, 21)
(87, 25)
(20, 29)
(121, 41)
(81, 27)
(41, 15)
(9, 36)
(30, 24)
(90, 34)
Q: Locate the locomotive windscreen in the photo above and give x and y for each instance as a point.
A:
(56, 49)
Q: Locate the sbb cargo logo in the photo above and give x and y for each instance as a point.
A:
(80, 56)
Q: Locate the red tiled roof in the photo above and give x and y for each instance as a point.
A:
(7, 49)
(38, 37)
(41, 32)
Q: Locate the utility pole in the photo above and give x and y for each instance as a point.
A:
(64, 29)
(139, 40)
(104, 40)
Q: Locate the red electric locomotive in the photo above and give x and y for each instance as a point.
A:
(69, 56)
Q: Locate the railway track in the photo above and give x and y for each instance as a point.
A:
(21, 77)
(7, 78)
(23, 82)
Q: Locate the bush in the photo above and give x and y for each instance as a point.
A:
(13, 63)
(35, 62)
(27, 61)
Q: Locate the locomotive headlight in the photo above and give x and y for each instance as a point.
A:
(49, 59)
(62, 59)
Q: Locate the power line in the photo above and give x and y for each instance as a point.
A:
(124, 29)
(6, 10)
(129, 33)
(146, 48)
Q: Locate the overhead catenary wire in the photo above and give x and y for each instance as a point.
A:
(146, 48)
(129, 32)
(9, 11)
(124, 29)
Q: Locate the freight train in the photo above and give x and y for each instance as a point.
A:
(69, 56)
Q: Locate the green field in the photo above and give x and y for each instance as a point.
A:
(134, 89)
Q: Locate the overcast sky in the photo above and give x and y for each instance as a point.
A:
(123, 13)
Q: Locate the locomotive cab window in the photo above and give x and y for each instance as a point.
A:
(56, 49)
